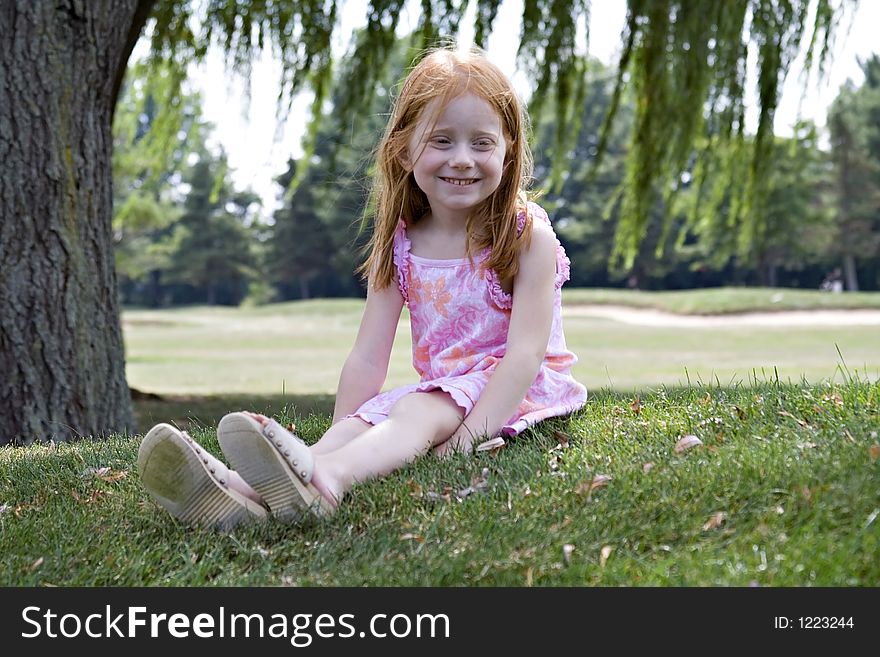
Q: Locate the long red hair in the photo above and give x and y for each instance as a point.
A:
(446, 74)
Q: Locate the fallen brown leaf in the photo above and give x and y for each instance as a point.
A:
(415, 490)
(36, 564)
(687, 442)
(492, 446)
(740, 413)
(874, 452)
(836, 398)
(437, 497)
(113, 476)
(413, 537)
(801, 422)
(566, 521)
(561, 437)
(604, 553)
(636, 405)
(715, 520)
(529, 576)
(291, 427)
(597, 481)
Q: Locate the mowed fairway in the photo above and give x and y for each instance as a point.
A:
(298, 348)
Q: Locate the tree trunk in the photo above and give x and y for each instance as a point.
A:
(61, 349)
(850, 273)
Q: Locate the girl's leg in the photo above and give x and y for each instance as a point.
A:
(339, 435)
(416, 423)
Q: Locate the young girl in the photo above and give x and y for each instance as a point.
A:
(479, 268)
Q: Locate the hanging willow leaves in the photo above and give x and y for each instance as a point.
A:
(683, 61)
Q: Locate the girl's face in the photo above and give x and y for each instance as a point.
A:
(458, 159)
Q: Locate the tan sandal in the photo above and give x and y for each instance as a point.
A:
(190, 483)
(275, 463)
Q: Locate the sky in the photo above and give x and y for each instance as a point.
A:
(258, 148)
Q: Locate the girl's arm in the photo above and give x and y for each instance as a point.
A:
(530, 322)
(365, 368)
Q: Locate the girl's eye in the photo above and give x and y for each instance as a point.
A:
(484, 143)
(440, 141)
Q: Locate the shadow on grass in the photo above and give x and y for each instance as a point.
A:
(193, 412)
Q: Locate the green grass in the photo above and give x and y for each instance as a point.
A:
(784, 491)
(299, 348)
(725, 300)
(793, 472)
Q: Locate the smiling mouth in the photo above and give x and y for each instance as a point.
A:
(460, 182)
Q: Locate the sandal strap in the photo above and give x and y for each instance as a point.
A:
(292, 448)
(215, 467)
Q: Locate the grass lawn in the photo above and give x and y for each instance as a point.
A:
(711, 301)
(297, 349)
(783, 489)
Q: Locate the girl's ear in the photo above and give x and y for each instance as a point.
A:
(404, 159)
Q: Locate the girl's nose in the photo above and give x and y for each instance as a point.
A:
(460, 157)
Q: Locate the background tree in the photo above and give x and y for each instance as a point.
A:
(300, 243)
(212, 255)
(62, 65)
(854, 123)
(148, 158)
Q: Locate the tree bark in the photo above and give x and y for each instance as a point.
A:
(850, 273)
(62, 364)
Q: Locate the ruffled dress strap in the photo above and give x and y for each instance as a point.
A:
(563, 265)
(400, 253)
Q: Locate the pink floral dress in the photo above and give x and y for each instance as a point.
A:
(459, 316)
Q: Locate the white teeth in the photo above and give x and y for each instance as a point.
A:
(460, 181)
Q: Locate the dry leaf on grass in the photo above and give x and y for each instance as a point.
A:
(874, 452)
(604, 554)
(715, 521)
(36, 564)
(636, 406)
(105, 474)
(687, 442)
(413, 537)
(801, 422)
(836, 398)
(597, 481)
(479, 483)
(493, 446)
(562, 438)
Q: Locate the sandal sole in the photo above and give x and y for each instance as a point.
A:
(260, 464)
(176, 477)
